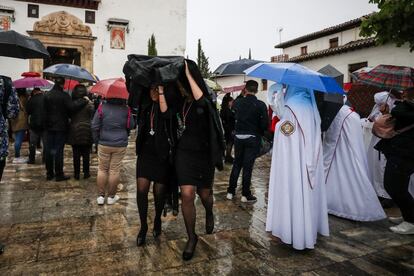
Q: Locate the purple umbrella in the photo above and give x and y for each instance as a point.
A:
(31, 82)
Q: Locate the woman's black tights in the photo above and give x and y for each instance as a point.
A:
(143, 186)
(188, 193)
(2, 165)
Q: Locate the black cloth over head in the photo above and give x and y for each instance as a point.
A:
(142, 72)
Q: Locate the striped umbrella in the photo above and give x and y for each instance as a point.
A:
(389, 77)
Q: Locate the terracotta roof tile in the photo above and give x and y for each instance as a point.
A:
(351, 46)
(328, 31)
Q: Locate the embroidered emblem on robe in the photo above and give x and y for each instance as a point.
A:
(287, 128)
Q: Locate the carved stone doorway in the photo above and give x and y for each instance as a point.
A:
(64, 32)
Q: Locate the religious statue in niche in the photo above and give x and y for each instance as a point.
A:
(117, 37)
(4, 22)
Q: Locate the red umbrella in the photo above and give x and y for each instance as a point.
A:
(111, 88)
(31, 82)
(70, 85)
(31, 74)
(361, 97)
(388, 77)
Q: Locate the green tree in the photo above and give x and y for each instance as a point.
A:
(202, 62)
(152, 46)
(393, 23)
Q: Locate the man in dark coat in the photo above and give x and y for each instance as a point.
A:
(251, 123)
(36, 111)
(58, 107)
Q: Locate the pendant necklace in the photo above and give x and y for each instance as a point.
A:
(185, 113)
(152, 115)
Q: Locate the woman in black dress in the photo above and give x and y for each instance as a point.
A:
(228, 120)
(153, 146)
(194, 168)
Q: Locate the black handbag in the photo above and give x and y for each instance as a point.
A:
(265, 146)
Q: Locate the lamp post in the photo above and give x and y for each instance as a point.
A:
(280, 30)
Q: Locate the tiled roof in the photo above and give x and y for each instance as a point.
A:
(328, 31)
(351, 46)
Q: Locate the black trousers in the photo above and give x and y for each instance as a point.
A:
(55, 145)
(396, 181)
(79, 151)
(35, 137)
(245, 151)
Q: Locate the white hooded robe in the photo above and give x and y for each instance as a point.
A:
(297, 207)
(349, 189)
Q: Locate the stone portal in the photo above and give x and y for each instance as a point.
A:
(65, 32)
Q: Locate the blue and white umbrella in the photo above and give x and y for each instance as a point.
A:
(296, 75)
(69, 71)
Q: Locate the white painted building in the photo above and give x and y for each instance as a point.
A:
(233, 80)
(343, 48)
(62, 28)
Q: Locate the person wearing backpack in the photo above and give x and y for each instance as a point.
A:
(80, 134)
(110, 129)
(398, 147)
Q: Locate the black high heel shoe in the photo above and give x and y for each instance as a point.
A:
(188, 255)
(210, 224)
(156, 232)
(142, 235)
(175, 212)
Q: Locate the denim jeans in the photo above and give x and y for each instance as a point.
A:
(18, 140)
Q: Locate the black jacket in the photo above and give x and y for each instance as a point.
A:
(401, 145)
(251, 116)
(58, 107)
(164, 127)
(229, 122)
(35, 108)
(80, 132)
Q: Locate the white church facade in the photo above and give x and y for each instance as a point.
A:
(95, 34)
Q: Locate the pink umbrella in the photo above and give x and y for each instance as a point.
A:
(31, 82)
(111, 88)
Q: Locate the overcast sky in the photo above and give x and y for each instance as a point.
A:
(228, 28)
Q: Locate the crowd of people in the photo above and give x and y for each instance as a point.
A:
(181, 141)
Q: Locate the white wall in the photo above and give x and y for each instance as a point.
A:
(166, 19)
(323, 42)
(387, 54)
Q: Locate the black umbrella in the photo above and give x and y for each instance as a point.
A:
(69, 71)
(13, 44)
(235, 67)
(329, 104)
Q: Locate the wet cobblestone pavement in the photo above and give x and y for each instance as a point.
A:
(57, 228)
